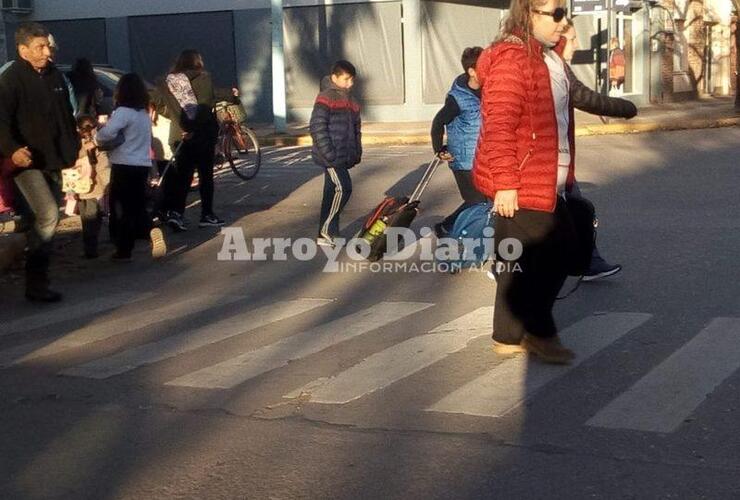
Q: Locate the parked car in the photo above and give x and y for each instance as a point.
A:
(108, 77)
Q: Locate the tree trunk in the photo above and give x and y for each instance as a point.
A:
(736, 4)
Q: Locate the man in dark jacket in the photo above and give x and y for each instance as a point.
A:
(38, 133)
(337, 144)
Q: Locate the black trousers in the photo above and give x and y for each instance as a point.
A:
(337, 190)
(128, 215)
(193, 155)
(92, 218)
(470, 196)
(527, 287)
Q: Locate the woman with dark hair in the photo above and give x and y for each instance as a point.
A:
(187, 97)
(87, 90)
(130, 127)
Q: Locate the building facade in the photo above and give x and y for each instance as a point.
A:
(406, 51)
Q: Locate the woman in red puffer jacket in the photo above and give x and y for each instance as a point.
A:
(524, 161)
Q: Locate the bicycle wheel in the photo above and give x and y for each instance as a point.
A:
(243, 153)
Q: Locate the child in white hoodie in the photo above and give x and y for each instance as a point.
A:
(128, 133)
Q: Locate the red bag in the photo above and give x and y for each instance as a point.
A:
(6, 186)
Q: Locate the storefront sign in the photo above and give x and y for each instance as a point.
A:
(589, 6)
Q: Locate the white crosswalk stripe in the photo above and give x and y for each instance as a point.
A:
(239, 369)
(511, 382)
(194, 339)
(400, 361)
(660, 401)
(66, 312)
(665, 397)
(112, 328)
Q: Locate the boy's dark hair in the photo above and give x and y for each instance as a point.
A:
(131, 92)
(469, 57)
(28, 31)
(343, 67)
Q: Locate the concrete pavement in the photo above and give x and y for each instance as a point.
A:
(199, 378)
(701, 114)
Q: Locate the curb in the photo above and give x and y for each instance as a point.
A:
(581, 131)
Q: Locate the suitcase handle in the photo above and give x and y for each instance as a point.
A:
(424, 182)
(170, 163)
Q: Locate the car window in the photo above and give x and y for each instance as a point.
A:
(107, 83)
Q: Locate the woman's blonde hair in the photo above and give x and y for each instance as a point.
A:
(519, 20)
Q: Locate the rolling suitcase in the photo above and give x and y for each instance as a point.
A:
(394, 212)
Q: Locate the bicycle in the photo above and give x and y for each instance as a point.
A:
(237, 144)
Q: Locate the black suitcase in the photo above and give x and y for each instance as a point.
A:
(394, 212)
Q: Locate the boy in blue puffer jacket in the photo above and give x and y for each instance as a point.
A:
(337, 144)
(461, 117)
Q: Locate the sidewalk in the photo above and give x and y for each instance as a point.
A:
(704, 113)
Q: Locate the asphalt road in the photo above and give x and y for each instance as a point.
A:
(196, 377)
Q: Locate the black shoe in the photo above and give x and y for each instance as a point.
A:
(601, 269)
(440, 231)
(43, 295)
(176, 222)
(210, 220)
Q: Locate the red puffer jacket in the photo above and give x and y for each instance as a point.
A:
(518, 142)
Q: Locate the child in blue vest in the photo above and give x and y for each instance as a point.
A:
(460, 116)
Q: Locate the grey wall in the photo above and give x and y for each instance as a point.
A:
(156, 41)
(368, 35)
(253, 43)
(447, 28)
(76, 38)
(119, 49)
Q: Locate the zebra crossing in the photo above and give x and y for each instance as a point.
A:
(659, 401)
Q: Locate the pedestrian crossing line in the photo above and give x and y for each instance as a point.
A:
(191, 340)
(399, 361)
(112, 328)
(516, 379)
(66, 312)
(241, 368)
(665, 397)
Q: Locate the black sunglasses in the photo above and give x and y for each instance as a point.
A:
(557, 15)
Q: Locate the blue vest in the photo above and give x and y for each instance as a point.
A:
(462, 132)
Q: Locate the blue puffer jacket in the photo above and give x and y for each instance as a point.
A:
(462, 132)
(335, 128)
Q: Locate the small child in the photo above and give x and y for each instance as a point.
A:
(337, 144)
(94, 163)
(130, 127)
(461, 117)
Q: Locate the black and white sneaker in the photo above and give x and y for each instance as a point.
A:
(601, 269)
(176, 222)
(325, 241)
(210, 221)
